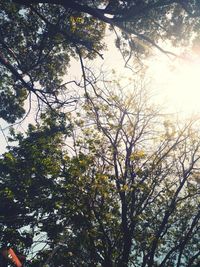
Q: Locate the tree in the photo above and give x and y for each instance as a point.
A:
(127, 196)
(152, 178)
(39, 37)
(28, 175)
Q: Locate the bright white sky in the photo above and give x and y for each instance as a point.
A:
(175, 82)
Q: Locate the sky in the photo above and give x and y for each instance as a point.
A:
(176, 82)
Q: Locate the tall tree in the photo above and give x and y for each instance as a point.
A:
(38, 38)
(152, 171)
(127, 196)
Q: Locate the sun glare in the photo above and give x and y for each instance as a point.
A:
(178, 84)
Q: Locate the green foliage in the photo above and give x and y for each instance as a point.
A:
(121, 197)
(11, 102)
(38, 39)
(28, 175)
(35, 52)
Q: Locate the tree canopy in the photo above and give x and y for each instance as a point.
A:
(38, 38)
(115, 182)
(128, 194)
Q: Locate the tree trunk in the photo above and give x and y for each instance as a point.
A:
(123, 262)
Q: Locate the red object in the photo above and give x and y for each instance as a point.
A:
(13, 257)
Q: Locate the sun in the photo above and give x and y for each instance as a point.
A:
(177, 83)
